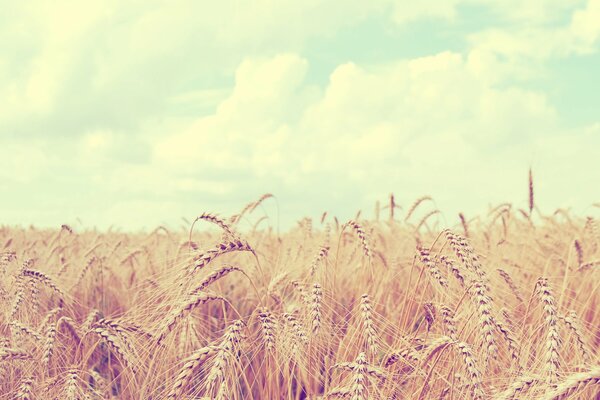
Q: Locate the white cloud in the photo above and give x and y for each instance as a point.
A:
(585, 24)
(41, 78)
(579, 35)
(370, 129)
(250, 126)
(91, 59)
(169, 107)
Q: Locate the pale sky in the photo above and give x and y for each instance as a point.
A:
(139, 113)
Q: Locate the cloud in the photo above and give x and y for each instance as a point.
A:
(110, 65)
(250, 127)
(579, 35)
(98, 71)
(370, 129)
(183, 107)
(585, 24)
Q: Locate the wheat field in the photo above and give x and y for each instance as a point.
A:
(401, 306)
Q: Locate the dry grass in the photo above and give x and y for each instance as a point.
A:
(501, 306)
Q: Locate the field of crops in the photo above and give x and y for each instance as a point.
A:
(501, 306)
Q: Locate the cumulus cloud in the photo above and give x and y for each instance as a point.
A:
(369, 130)
(79, 65)
(148, 111)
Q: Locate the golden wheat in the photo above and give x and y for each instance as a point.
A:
(373, 309)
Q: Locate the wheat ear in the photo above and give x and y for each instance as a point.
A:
(190, 364)
(511, 284)
(486, 320)
(369, 331)
(25, 388)
(546, 298)
(45, 279)
(471, 367)
(204, 259)
(226, 350)
(25, 329)
(575, 383)
(572, 322)
(432, 269)
(362, 236)
(215, 276)
(7, 354)
(323, 251)
(184, 307)
(70, 389)
(268, 328)
(113, 342)
(315, 308)
(414, 206)
(229, 231)
(517, 389)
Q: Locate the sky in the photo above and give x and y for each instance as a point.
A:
(138, 113)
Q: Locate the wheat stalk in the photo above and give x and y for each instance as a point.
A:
(297, 329)
(432, 269)
(579, 251)
(486, 320)
(70, 326)
(114, 343)
(92, 317)
(25, 329)
(45, 279)
(360, 369)
(185, 306)
(19, 295)
(48, 348)
(185, 373)
(268, 327)
(517, 389)
(531, 198)
(454, 269)
(215, 276)
(465, 254)
(572, 322)
(463, 221)
(35, 295)
(507, 334)
(414, 206)
(229, 231)
(25, 388)
(511, 284)
(369, 331)
(449, 321)
(575, 383)
(362, 236)
(70, 389)
(223, 248)
(225, 351)
(7, 354)
(473, 372)
(546, 298)
(315, 308)
(323, 251)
